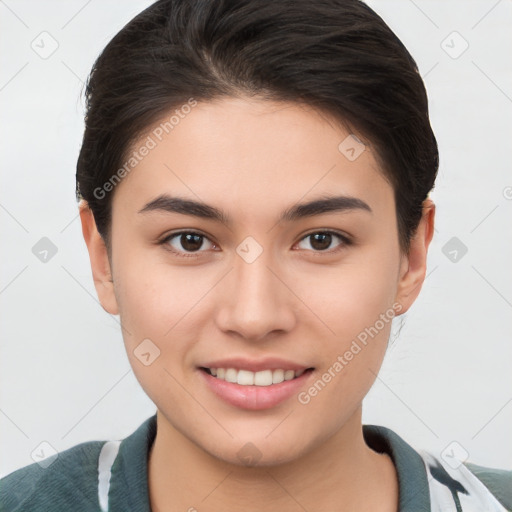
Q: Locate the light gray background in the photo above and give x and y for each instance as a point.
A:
(65, 377)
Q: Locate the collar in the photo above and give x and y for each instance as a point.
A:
(128, 481)
(414, 495)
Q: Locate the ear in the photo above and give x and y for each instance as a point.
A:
(100, 264)
(413, 266)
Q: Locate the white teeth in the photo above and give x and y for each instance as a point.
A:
(289, 375)
(277, 376)
(248, 378)
(263, 378)
(231, 375)
(245, 378)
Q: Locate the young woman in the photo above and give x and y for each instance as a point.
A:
(253, 187)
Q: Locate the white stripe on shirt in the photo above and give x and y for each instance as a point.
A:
(478, 499)
(106, 459)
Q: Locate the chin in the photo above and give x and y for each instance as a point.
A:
(256, 454)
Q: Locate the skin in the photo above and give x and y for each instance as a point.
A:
(253, 159)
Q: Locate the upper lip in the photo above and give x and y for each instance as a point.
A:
(255, 365)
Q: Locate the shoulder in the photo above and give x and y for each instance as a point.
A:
(471, 485)
(498, 481)
(431, 481)
(88, 477)
(57, 483)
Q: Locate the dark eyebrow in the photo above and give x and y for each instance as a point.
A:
(326, 204)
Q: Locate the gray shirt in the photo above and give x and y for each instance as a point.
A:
(112, 475)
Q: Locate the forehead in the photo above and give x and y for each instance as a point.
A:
(250, 155)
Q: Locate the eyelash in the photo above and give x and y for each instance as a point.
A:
(345, 241)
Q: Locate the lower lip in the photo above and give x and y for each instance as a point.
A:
(255, 398)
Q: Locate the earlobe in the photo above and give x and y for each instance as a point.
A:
(414, 264)
(98, 256)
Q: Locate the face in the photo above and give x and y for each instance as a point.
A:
(254, 280)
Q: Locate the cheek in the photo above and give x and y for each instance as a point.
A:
(153, 307)
(355, 299)
(351, 296)
(164, 303)
(154, 295)
(360, 312)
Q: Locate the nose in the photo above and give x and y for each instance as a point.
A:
(256, 302)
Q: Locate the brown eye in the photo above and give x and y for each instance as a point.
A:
(191, 241)
(322, 241)
(186, 242)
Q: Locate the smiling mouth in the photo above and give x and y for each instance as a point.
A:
(262, 378)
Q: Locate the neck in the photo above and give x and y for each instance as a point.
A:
(340, 473)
